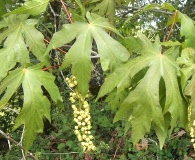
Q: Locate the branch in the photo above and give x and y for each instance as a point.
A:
(134, 10)
(57, 48)
(171, 30)
(18, 144)
(67, 12)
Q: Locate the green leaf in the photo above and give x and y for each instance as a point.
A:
(142, 106)
(171, 43)
(31, 7)
(122, 76)
(34, 39)
(115, 99)
(187, 61)
(168, 6)
(133, 44)
(36, 104)
(81, 7)
(22, 36)
(79, 57)
(142, 45)
(111, 52)
(98, 21)
(10, 84)
(187, 29)
(106, 8)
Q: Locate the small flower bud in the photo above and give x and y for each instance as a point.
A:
(76, 127)
(80, 118)
(93, 148)
(75, 82)
(76, 132)
(84, 136)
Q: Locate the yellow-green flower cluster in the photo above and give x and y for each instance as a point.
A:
(192, 134)
(81, 112)
(192, 127)
(71, 81)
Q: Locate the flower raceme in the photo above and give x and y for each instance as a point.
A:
(82, 117)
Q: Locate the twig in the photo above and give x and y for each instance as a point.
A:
(57, 48)
(23, 154)
(118, 146)
(22, 150)
(54, 15)
(171, 30)
(151, 140)
(56, 54)
(95, 57)
(134, 10)
(66, 10)
(51, 67)
(18, 144)
(13, 110)
(62, 74)
(61, 153)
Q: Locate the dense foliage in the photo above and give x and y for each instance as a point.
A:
(136, 58)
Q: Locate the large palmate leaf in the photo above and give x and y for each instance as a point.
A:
(20, 37)
(187, 63)
(111, 52)
(31, 7)
(147, 76)
(36, 104)
(187, 29)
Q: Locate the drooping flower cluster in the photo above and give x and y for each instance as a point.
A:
(192, 127)
(81, 112)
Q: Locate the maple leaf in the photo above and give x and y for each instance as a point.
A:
(36, 105)
(22, 36)
(106, 8)
(144, 76)
(111, 52)
(187, 63)
(31, 7)
(10, 84)
(187, 29)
